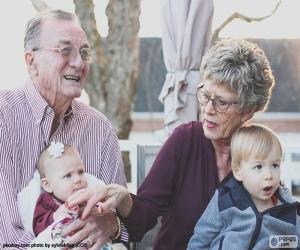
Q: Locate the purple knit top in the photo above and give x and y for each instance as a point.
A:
(180, 184)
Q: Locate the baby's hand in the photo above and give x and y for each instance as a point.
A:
(65, 212)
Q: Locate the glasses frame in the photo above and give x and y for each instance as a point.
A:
(73, 53)
(213, 101)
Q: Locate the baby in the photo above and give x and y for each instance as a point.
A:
(250, 208)
(62, 175)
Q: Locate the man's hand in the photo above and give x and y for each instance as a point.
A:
(94, 230)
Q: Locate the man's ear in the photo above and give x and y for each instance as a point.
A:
(31, 63)
(46, 186)
(237, 174)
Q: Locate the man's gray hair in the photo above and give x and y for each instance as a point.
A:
(34, 26)
(243, 68)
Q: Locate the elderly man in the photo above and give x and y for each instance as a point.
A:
(57, 55)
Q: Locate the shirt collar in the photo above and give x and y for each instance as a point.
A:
(36, 102)
(39, 105)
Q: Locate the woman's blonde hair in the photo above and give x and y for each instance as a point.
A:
(253, 140)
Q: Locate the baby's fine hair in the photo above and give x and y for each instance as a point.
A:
(44, 156)
(253, 140)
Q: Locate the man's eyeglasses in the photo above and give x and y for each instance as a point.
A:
(67, 52)
(219, 105)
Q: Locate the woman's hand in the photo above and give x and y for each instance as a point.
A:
(104, 198)
(117, 197)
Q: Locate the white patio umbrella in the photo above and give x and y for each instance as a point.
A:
(186, 34)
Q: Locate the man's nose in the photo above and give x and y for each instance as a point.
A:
(76, 60)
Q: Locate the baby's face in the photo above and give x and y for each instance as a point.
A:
(66, 175)
(261, 177)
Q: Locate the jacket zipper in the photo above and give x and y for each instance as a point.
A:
(259, 216)
(221, 242)
(259, 219)
(256, 231)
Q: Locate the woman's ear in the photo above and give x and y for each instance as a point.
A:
(237, 174)
(31, 63)
(46, 185)
(247, 116)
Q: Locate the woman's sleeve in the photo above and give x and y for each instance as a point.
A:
(154, 196)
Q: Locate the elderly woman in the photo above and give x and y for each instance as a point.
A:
(237, 82)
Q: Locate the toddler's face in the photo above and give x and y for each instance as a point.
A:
(65, 175)
(261, 177)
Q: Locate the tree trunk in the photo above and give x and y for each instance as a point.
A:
(112, 81)
(95, 86)
(122, 62)
(113, 76)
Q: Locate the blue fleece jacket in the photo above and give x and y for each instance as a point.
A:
(232, 222)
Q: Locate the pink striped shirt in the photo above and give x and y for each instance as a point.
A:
(25, 127)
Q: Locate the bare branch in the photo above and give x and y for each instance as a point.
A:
(237, 15)
(40, 5)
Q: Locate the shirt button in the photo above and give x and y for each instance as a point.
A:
(48, 110)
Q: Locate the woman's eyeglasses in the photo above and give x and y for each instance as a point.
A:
(219, 104)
